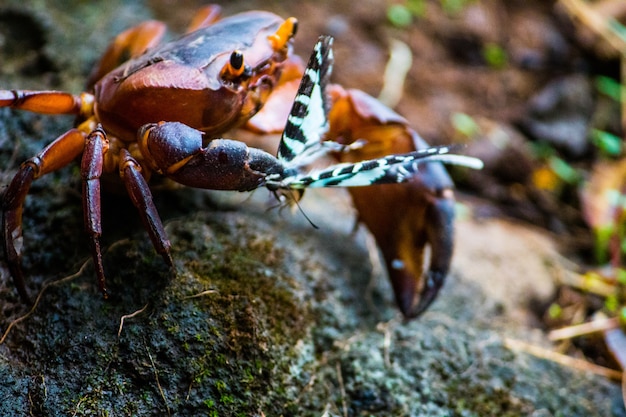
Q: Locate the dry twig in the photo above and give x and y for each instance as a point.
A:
(128, 316)
(564, 360)
(201, 294)
(594, 326)
(51, 283)
(38, 299)
(342, 389)
(398, 66)
(156, 377)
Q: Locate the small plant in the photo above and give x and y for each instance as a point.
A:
(402, 14)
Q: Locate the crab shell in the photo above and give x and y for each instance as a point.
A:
(181, 80)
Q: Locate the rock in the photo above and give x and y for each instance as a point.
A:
(560, 114)
(267, 318)
(513, 266)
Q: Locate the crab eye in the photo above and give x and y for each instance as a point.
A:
(235, 67)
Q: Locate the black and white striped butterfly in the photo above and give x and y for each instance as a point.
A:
(302, 142)
(302, 139)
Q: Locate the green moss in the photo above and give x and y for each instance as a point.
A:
(234, 337)
(225, 351)
(477, 400)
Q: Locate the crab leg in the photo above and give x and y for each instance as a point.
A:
(205, 16)
(127, 45)
(58, 154)
(91, 170)
(48, 102)
(139, 192)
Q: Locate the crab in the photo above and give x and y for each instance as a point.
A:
(153, 109)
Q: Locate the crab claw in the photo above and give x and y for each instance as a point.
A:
(426, 218)
(403, 218)
(176, 150)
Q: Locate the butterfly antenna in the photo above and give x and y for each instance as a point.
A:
(295, 196)
(308, 219)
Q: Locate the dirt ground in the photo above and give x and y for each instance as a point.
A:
(297, 322)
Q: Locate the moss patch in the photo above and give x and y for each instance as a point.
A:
(216, 338)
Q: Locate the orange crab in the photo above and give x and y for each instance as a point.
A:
(216, 77)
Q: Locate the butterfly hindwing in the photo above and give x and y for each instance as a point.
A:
(386, 170)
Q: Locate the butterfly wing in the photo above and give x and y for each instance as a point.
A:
(308, 122)
(386, 170)
(303, 142)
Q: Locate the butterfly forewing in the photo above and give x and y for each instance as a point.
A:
(308, 121)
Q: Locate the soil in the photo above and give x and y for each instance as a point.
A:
(266, 316)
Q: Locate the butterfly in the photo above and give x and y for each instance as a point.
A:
(303, 142)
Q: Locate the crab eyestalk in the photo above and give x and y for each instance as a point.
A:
(285, 32)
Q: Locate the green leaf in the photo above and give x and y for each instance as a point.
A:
(399, 15)
(495, 56)
(611, 303)
(609, 87)
(622, 316)
(417, 7)
(555, 311)
(564, 170)
(603, 236)
(608, 143)
(453, 7)
(464, 124)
